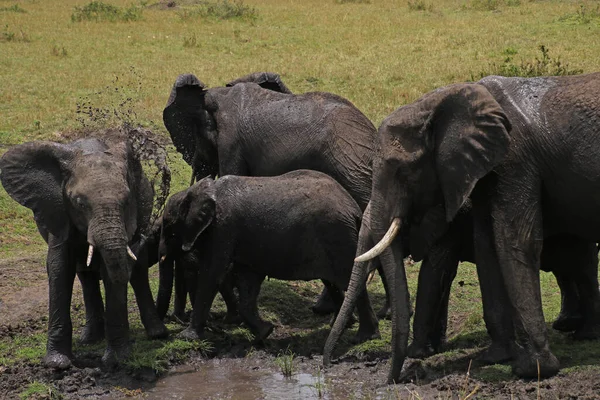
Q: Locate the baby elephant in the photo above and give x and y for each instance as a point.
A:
(298, 226)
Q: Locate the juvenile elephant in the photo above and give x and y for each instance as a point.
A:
(301, 225)
(527, 184)
(255, 126)
(90, 201)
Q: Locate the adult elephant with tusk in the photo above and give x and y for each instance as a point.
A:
(91, 201)
(526, 185)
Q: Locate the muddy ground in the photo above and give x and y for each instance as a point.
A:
(357, 374)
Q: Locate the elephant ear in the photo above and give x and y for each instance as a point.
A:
(266, 80)
(197, 210)
(183, 114)
(470, 135)
(33, 175)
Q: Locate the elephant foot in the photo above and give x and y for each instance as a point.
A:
(419, 351)
(526, 366)
(157, 330)
(189, 333)
(93, 332)
(363, 336)
(568, 323)
(232, 319)
(114, 355)
(264, 330)
(324, 305)
(496, 353)
(57, 360)
(385, 312)
(587, 332)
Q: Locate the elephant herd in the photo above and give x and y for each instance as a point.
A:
(503, 172)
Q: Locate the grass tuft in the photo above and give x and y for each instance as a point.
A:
(14, 8)
(58, 51)
(39, 390)
(98, 11)
(158, 356)
(539, 66)
(420, 5)
(353, 1)
(583, 16)
(285, 362)
(221, 9)
(9, 35)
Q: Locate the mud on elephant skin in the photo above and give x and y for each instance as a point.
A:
(301, 225)
(255, 126)
(91, 201)
(502, 142)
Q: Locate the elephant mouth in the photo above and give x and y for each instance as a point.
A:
(384, 243)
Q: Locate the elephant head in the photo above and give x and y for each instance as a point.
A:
(187, 214)
(84, 187)
(431, 154)
(188, 116)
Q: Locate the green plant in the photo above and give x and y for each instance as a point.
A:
(99, 11)
(58, 51)
(539, 66)
(285, 362)
(14, 8)
(10, 36)
(319, 385)
(221, 9)
(353, 1)
(40, 390)
(419, 5)
(584, 15)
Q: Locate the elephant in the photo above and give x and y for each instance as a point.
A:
(524, 151)
(91, 203)
(301, 225)
(255, 126)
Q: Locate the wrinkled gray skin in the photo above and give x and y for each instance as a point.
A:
(255, 126)
(182, 267)
(298, 226)
(86, 193)
(539, 180)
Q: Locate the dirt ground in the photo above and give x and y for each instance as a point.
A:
(23, 312)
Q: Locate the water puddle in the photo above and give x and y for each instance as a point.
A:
(231, 379)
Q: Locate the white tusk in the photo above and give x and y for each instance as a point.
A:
(370, 277)
(163, 258)
(131, 254)
(383, 244)
(89, 257)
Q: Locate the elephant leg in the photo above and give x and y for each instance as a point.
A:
(496, 305)
(570, 317)
(93, 331)
(116, 323)
(337, 295)
(61, 275)
(325, 304)
(181, 292)
(155, 328)
(385, 312)
(368, 324)
(589, 294)
(231, 301)
(249, 288)
(438, 270)
(517, 223)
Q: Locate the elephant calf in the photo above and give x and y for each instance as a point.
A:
(298, 226)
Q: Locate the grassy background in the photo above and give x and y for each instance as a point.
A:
(379, 54)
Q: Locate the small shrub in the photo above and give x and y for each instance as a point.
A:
(285, 362)
(11, 36)
(420, 5)
(353, 1)
(539, 66)
(40, 390)
(190, 41)
(14, 8)
(99, 11)
(583, 16)
(58, 51)
(221, 9)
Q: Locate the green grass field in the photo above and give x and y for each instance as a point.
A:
(380, 54)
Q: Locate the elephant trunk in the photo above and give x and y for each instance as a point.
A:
(165, 286)
(110, 238)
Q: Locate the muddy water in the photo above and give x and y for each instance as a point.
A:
(232, 379)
